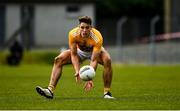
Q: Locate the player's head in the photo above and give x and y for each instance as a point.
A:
(85, 25)
(85, 19)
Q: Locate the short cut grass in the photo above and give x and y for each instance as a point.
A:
(135, 87)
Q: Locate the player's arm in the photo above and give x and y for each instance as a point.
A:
(95, 54)
(96, 50)
(74, 56)
(89, 84)
(94, 58)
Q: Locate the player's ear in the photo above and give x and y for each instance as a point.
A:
(90, 26)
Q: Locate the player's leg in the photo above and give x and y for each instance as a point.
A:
(60, 60)
(105, 60)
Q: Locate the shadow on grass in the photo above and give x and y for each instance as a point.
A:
(84, 98)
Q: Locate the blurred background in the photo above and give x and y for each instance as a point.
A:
(134, 31)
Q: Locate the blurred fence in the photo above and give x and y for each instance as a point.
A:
(164, 53)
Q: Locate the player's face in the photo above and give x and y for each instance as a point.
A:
(84, 29)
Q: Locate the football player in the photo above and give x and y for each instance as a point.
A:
(85, 42)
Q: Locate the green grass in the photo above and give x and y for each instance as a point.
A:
(134, 86)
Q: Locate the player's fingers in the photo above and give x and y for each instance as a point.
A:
(76, 74)
(78, 80)
(88, 86)
(85, 86)
(91, 82)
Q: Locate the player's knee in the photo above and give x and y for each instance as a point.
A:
(58, 60)
(108, 61)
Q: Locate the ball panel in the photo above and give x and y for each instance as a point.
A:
(87, 73)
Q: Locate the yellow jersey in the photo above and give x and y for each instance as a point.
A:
(88, 44)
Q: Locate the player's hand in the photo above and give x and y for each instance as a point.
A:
(88, 85)
(78, 80)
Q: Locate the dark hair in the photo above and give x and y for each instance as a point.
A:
(85, 19)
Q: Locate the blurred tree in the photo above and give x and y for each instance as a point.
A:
(129, 7)
(138, 12)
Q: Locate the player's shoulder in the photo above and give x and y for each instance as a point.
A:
(94, 30)
(74, 32)
(96, 34)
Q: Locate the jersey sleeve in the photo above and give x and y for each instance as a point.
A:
(99, 43)
(72, 35)
(71, 39)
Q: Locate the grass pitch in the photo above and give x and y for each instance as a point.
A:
(134, 87)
